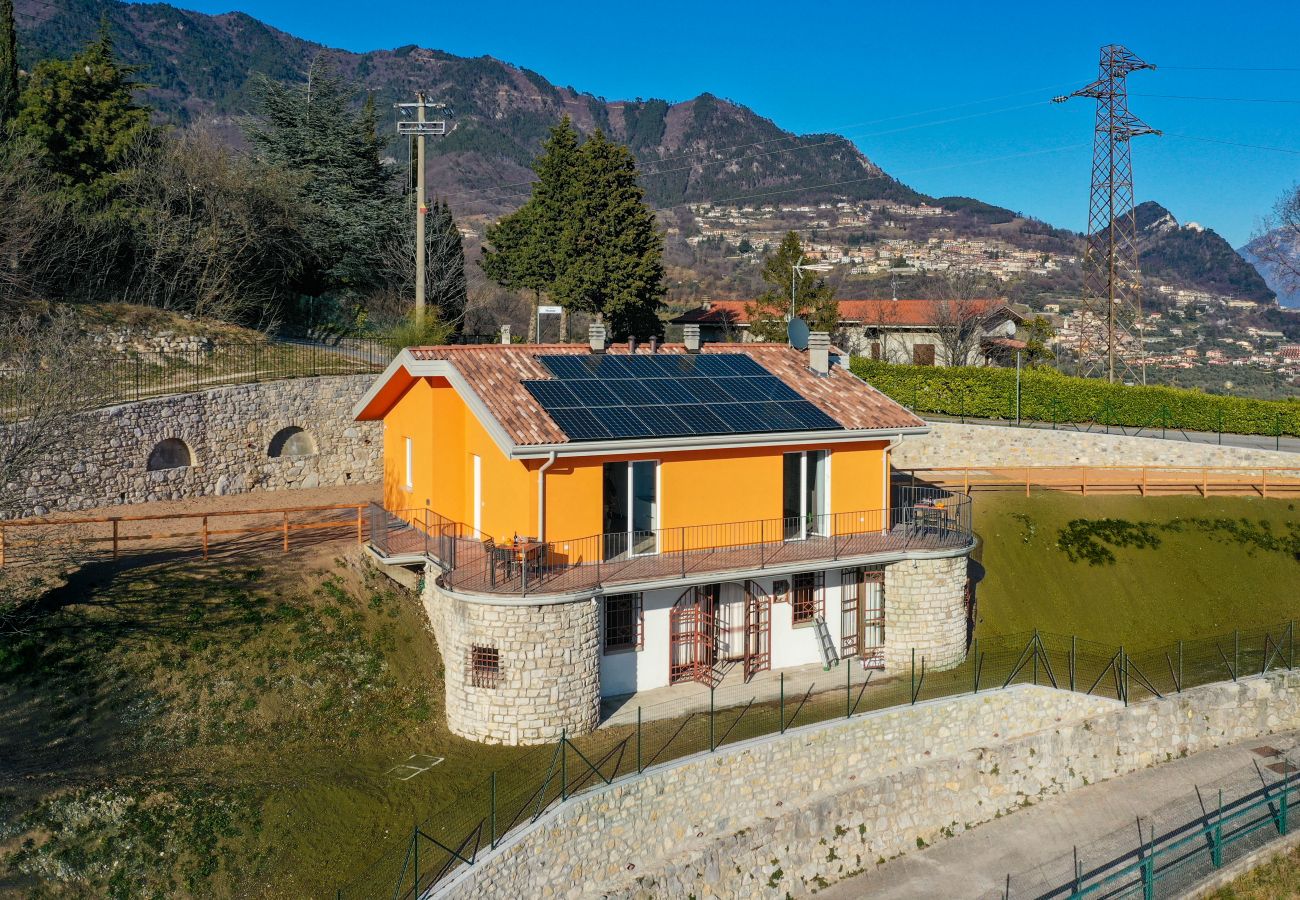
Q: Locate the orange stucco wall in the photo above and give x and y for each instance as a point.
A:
(702, 487)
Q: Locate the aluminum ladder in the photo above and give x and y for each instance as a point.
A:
(824, 643)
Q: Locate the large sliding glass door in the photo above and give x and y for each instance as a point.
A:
(805, 494)
(631, 508)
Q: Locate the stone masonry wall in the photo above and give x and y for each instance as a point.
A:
(788, 814)
(228, 431)
(954, 444)
(549, 679)
(925, 609)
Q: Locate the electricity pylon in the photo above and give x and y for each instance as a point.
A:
(1110, 327)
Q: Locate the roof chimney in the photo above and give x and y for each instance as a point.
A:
(596, 337)
(631, 344)
(819, 352)
(691, 337)
(654, 344)
(505, 334)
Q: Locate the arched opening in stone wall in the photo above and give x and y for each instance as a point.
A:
(170, 453)
(291, 441)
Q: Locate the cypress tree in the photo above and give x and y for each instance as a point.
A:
(8, 64)
(612, 246)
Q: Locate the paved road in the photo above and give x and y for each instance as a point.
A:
(976, 863)
(1254, 441)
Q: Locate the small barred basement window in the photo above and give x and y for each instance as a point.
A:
(623, 618)
(484, 666)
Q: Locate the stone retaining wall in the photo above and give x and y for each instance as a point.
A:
(954, 444)
(785, 815)
(228, 432)
(548, 679)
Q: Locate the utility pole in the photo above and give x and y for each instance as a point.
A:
(420, 129)
(1110, 261)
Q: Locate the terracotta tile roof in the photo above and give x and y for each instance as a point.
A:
(496, 373)
(871, 312)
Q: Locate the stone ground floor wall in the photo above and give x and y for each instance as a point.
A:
(925, 612)
(785, 815)
(955, 444)
(229, 434)
(547, 681)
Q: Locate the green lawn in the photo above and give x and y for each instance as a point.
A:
(1164, 569)
(220, 730)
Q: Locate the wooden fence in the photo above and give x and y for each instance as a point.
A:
(155, 532)
(1270, 481)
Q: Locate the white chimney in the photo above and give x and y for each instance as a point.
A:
(691, 337)
(819, 352)
(505, 334)
(596, 336)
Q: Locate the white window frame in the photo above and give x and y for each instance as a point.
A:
(410, 465)
(476, 473)
(631, 500)
(803, 493)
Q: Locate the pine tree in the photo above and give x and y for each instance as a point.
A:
(814, 299)
(81, 115)
(8, 64)
(526, 248)
(612, 248)
(355, 211)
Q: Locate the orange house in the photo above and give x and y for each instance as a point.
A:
(715, 505)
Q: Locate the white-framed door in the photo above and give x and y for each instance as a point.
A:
(631, 508)
(806, 494)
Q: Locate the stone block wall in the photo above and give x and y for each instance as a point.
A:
(955, 444)
(549, 677)
(925, 609)
(228, 432)
(789, 814)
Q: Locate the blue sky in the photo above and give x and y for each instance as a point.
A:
(949, 97)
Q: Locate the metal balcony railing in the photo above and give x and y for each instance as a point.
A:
(921, 518)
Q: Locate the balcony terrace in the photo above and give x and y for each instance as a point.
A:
(922, 519)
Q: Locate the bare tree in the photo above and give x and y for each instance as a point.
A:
(1278, 243)
(959, 315)
(47, 383)
(881, 337)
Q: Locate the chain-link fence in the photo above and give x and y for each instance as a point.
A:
(637, 738)
(1172, 849)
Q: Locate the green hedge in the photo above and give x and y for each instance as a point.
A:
(1048, 396)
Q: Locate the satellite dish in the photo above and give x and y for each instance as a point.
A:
(798, 332)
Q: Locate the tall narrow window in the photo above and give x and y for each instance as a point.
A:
(410, 467)
(806, 601)
(478, 494)
(805, 494)
(631, 508)
(623, 622)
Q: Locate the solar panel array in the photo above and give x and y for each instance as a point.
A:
(608, 397)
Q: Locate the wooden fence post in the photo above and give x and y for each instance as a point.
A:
(1205, 481)
(1144, 481)
(360, 528)
(1084, 482)
(2, 548)
(1264, 476)
(114, 537)
(205, 537)
(286, 531)
(1026, 481)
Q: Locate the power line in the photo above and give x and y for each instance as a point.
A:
(1231, 68)
(1192, 137)
(1221, 99)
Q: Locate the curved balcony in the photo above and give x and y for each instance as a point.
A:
(922, 519)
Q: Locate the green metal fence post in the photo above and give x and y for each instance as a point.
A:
(1236, 653)
(1285, 802)
(848, 689)
(1216, 839)
(492, 810)
(1035, 657)
(711, 745)
(1074, 660)
(1149, 867)
(1291, 634)
(638, 740)
(564, 765)
(783, 703)
(415, 851)
(1179, 686)
(1123, 674)
(975, 666)
(1220, 427)
(913, 676)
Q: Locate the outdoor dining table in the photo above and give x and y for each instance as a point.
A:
(529, 553)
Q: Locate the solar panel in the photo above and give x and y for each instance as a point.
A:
(668, 395)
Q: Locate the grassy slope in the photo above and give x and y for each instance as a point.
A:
(1193, 584)
(234, 721)
(1278, 879)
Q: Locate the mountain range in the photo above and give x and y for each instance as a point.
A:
(200, 70)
